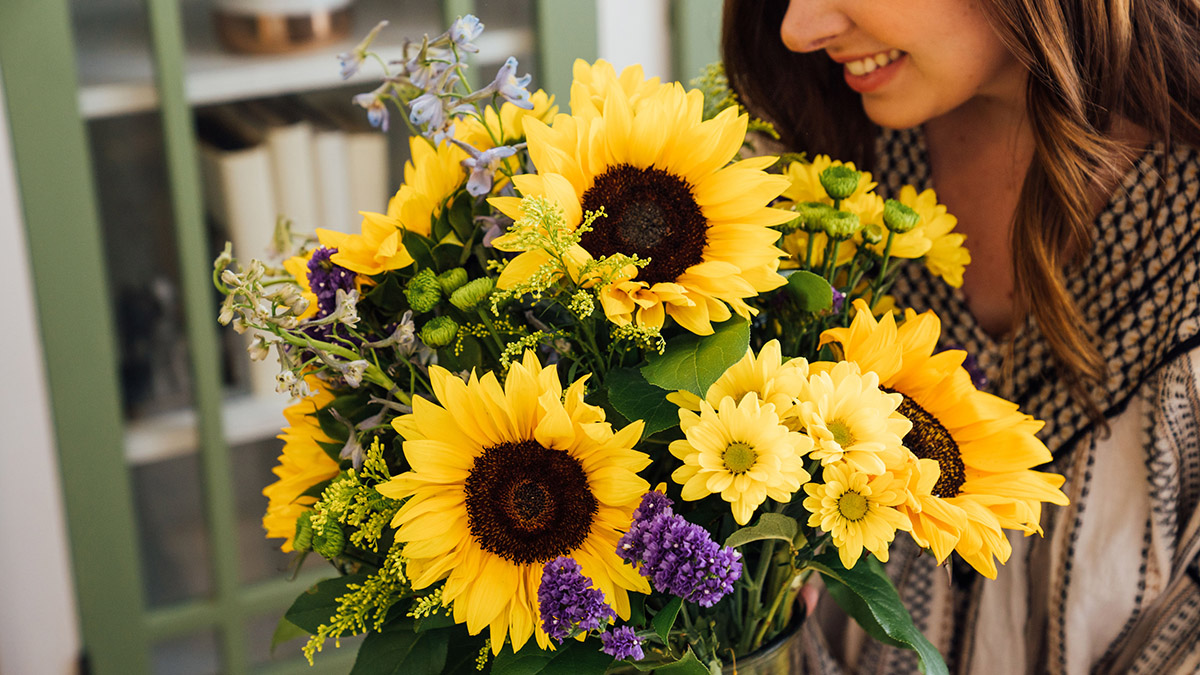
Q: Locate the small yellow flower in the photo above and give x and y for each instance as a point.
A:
(767, 375)
(850, 419)
(806, 187)
(857, 509)
(945, 256)
(740, 451)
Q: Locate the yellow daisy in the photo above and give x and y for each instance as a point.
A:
(850, 419)
(945, 254)
(740, 451)
(805, 186)
(504, 479)
(767, 375)
(858, 510)
(431, 176)
(303, 464)
(593, 83)
(983, 445)
(672, 198)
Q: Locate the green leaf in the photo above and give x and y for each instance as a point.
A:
(318, 604)
(571, 658)
(637, 609)
(397, 649)
(420, 248)
(664, 619)
(635, 398)
(812, 292)
(884, 609)
(388, 294)
(446, 255)
(470, 356)
(285, 631)
(769, 526)
(692, 363)
(688, 665)
(462, 216)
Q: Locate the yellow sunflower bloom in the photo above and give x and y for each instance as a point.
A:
(984, 447)
(945, 256)
(303, 464)
(504, 479)
(430, 177)
(740, 451)
(669, 198)
(767, 375)
(850, 419)
(857, 509)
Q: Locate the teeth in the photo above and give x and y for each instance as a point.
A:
(871, 63)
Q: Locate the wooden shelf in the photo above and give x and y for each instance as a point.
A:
(117, 78)
(173, 434)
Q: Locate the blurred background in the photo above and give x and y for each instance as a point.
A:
(136, 136)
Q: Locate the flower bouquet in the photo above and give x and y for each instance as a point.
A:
(597, 393)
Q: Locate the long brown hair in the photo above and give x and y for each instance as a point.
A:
(1089, 62)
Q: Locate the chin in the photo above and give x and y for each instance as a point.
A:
(894, 115)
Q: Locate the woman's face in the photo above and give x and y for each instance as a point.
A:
(911, 60)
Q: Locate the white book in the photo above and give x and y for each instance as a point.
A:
(289, 140)
(240, 199)
(332, 160)
(366, 157)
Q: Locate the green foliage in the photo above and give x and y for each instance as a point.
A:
(884, 613)
(635, 398)
(664, 619)
(811, 292)
(688, 665)
(397, 649)
(319, 602)
(694, 362)
(364, 605)
(769, 526)
(571, 658)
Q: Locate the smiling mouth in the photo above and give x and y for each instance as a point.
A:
(870, 64)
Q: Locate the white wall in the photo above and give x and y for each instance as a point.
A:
(635, 31)
(38, 625)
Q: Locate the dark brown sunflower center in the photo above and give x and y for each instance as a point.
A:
(930, 440)
(527, 503)
(650, 213)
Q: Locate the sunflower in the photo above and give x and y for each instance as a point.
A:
(945, 256)
(805, 186)
(432, 175)
(984, 447)
(767, 375)
(668, 198)
(740, 451)
(857, 509)
(303, 464)
(850, 419)
(506, 478)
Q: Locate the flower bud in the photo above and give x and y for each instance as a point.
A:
(811, 215)
(841, 225)
(303, 539)
(452, 280)
(840, 181)
(229, 278)
(439, 332)
(474, 292)
(898, 217)
(423, 291)
(330, 542)
(259, 348)
(872, 234)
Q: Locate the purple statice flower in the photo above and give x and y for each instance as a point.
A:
(325, 277)
(568, 603)
(622, 643)
(838, 298)
(678, 557)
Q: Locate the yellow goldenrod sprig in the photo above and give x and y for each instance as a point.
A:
(365, 605)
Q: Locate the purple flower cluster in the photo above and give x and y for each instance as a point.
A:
(622, 643)
(678, 557)
(567, 601)
(326, 278)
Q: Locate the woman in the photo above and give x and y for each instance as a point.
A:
(1063, 135)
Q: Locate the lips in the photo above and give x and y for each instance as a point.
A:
(868, 73)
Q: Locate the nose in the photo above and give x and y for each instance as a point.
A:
(810, 25)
